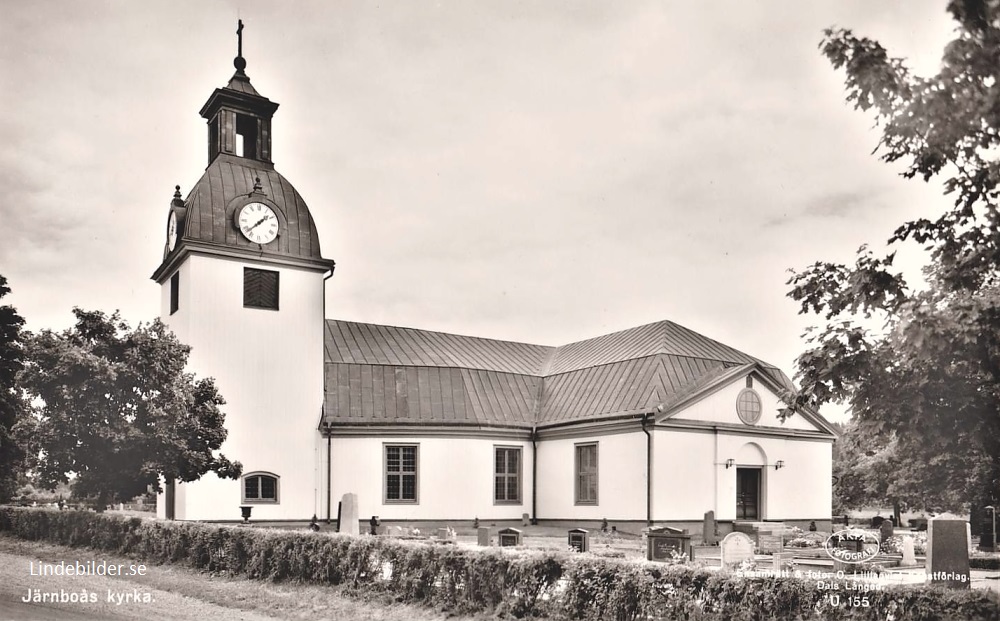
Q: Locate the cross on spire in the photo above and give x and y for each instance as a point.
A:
(239, 62)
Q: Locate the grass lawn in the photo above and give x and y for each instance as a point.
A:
(177, 593)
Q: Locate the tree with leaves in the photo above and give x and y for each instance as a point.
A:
(115, 409)
(12, 410)
(872, 471)
(920, 365)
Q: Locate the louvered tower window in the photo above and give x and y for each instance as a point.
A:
(260, 288)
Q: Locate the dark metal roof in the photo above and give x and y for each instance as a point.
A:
(377, 394)
(227, 184)
(663, 337)
(366, 343)
(241, 82)
(379, 374)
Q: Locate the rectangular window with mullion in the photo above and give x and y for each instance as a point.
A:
(586, 474)
(260, 288)
(506, 475)
(401, 473)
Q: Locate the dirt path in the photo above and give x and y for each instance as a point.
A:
(167, 592)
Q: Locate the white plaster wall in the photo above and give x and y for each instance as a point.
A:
(690, 476)
(684, 474)
(268, 365)
(802, 489)
(720, 407)
(621, 478)
(454, 478)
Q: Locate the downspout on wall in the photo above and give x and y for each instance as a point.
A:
(329, 468)
(649, 470)
(329, 473)
(534, 476)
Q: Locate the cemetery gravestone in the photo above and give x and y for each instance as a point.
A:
(736, 548)
(483, 534)
(710, 534)
(349, 515)
(885, 531)
(779, 560)
(579, 539)
(909, 558)
(948, 553)
(507, 537)
(663, 543)
(771, 541)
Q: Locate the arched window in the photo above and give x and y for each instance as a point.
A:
(260, 487)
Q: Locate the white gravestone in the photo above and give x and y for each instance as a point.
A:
(736, 548)
(909, 558)
(349, 515)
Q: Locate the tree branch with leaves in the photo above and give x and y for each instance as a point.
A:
(919, 366)
(114, 407)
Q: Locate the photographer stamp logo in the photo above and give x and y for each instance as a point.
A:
(852, 546)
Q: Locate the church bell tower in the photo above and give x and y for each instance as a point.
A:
(242, 282)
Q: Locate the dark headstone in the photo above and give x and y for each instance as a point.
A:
(579, 539)
(854, 544)
(665, 543)
(986, 533)
(948, 553)
(877, 521)
(812, 527)
(507, 537)
(709, 530)
(885, 531)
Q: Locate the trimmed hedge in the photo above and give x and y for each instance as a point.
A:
(984, 562)
(489, 580)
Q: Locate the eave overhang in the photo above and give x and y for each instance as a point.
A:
(193, 247)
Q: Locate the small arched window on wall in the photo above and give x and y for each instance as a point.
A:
(260, 487)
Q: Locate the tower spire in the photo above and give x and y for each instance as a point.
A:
(239, 62)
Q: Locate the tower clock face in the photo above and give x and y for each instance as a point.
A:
(258, 223)
(172, 230)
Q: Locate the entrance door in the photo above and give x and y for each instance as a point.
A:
(748, 493)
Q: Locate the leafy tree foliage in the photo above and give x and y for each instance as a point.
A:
(117, 409)
(11, 404)
(873, 471)
(927, 382)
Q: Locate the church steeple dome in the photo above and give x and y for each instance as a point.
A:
(240, 175)
(239, 118)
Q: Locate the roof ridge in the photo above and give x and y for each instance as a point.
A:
(464, 336)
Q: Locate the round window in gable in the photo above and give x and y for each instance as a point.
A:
(748, 406)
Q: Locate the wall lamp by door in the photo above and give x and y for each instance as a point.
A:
(730, 463)
(778, 465)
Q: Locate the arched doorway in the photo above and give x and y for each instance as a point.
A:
(750, 463)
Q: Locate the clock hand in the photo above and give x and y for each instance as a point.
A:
(259, 222)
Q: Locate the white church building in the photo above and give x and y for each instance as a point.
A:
(653, 425)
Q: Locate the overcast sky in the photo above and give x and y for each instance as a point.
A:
(534, 171)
